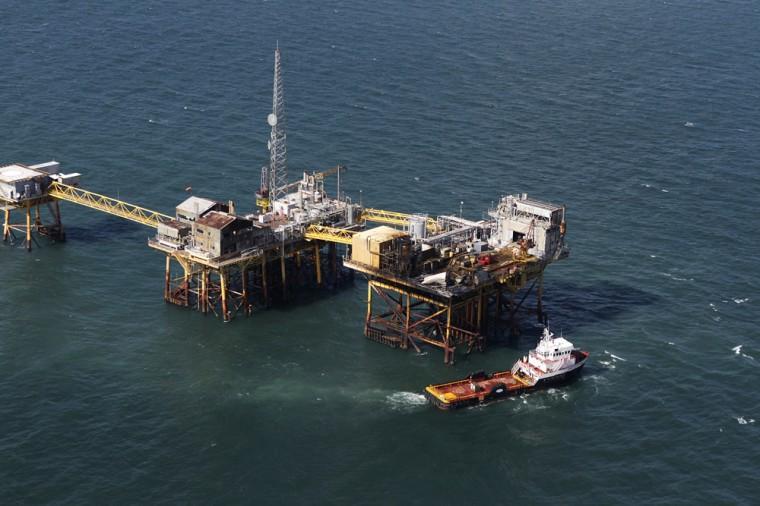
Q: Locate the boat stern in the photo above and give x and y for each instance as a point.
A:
(441, 400)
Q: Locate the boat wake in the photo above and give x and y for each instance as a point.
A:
(610, 364)
(405, 401)
(675, 278)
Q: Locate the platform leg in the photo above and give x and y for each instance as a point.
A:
(6, 224)
(37, 218)
(167, 279)
(369, 307)
(318, 264)
(448, 354)
(28, 227)
(244, 281)
(60, 234)
(223, 288)
(332, 252)
(283, 275)
(204, 291)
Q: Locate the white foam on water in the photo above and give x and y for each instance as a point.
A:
(663, 190)
(689, 124)
(615, 357)
(712, 306)
(744, 421)
(646, 185)
(671, 343)
(675, 278)
(748, 356)
(741, 301)
(405, 400)
(652, 256)
(737, 349)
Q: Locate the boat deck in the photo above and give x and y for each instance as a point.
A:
(475, 388)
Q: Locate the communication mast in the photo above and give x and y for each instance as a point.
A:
(278, 154)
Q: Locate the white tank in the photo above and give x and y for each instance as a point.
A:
(417, 226)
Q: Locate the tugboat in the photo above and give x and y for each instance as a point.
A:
(553, 361)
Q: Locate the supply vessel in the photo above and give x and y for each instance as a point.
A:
(554, 361)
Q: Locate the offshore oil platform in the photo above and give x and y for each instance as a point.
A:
(442, 281)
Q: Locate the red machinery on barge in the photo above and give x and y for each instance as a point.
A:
(553, 361)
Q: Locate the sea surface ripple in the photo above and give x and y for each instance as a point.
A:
(643, 117)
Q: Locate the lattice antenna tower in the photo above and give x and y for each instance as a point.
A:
(278, 153)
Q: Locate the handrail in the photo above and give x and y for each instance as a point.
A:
(394, 218)
(329, 234)
(106, 204)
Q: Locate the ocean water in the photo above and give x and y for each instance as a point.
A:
(642, 117)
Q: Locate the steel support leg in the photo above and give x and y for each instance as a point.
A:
(28, 227)
(318, 264)
(6, 224)
(223, 288)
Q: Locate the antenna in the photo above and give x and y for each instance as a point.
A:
(278, 155)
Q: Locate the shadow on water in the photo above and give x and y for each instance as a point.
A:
(311, 294)
(107, 229)
(576, 305)
(569, 308)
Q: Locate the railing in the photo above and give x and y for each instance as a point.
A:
(394, 218)
(329, 234)
(106, 204)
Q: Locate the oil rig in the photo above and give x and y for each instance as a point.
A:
(441, 281)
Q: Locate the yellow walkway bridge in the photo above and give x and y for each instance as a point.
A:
(152, 218)
(394, 218)
(106, 204)
(329, 234)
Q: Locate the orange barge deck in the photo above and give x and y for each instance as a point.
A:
(477, 388)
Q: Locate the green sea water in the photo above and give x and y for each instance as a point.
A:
(641, 117)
